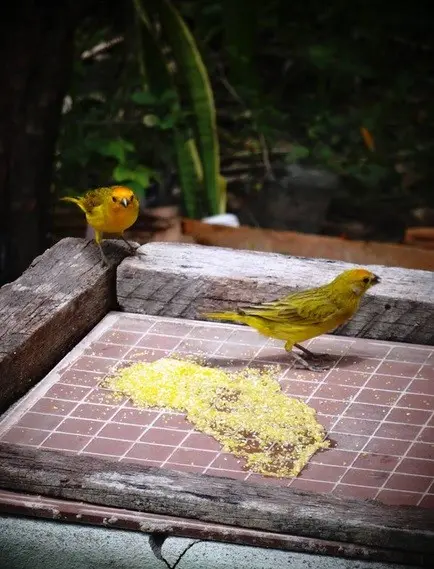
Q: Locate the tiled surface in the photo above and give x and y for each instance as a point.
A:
(376, 403)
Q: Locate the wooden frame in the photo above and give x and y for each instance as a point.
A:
(66, 292)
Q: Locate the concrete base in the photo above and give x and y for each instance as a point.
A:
(40, 544)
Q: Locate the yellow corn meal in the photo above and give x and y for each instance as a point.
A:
(245, 411)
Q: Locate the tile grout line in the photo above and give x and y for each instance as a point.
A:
(320, 384)
(69, 416)
(404, 454)
(249, 362)
(14, 413)
(341, 416)
(431, 486)
(109, 421)
(401, 459)
(106, 421)
(177, 447)
(290, 394)
(145, 430)
(189, 432)
(160, 412)
(204, 469)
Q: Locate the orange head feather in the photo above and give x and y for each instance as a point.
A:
(355, 280)
(122, 197)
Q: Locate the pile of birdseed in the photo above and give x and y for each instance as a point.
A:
(245, 411)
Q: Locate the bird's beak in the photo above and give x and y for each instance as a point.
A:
(376, 280)
(124, 202)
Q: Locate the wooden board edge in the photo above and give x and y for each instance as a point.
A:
(192, 529)
(216, 500)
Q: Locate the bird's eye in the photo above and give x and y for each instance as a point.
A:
(366, 280)
(114, 199)
(131, 198)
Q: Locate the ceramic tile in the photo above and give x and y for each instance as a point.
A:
(376, 403)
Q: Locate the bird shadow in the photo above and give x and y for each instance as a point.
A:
(337, 361)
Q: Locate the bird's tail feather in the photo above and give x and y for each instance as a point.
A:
(77, 201)
(231, 316)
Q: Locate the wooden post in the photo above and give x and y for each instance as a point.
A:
(45, 312)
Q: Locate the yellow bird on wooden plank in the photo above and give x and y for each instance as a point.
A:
(303, 315)
(108, 210)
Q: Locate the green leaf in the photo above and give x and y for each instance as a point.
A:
(114, 148)
(169, 96)
(321, 55)
(144, 98)
(161, 84)
(190, 173)
(143, 175)
(139, 174)
(325, 153)
(167, 122)
(121, 173)
(297, 153)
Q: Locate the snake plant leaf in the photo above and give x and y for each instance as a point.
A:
(198, 89)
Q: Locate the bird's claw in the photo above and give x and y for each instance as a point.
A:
(323, 357)
(302, 363)
(311, 367)
(133, 250)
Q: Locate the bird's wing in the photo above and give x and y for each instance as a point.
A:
(94, 198)
(307, 308)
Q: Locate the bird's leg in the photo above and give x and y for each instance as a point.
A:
(98, 239)
(306, 365)
(312, 354)
(104, 259)
(133, 249)
(306, 351)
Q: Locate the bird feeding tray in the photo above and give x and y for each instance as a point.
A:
(374, 403)
(371, 404)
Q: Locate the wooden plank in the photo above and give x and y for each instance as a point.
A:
(76, 512)
(218, 500)
(309, 245)
(182, 280)
(55, 302)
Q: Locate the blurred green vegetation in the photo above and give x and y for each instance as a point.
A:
(289, 81)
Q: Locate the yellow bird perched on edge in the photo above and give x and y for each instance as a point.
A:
(303, 315)
(108, 210)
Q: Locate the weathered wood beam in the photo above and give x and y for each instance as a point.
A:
(82, 513)
(50, 307)
(218, 500)
(182, 280)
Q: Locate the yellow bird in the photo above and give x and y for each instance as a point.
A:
(108, 210)
(303, 315)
